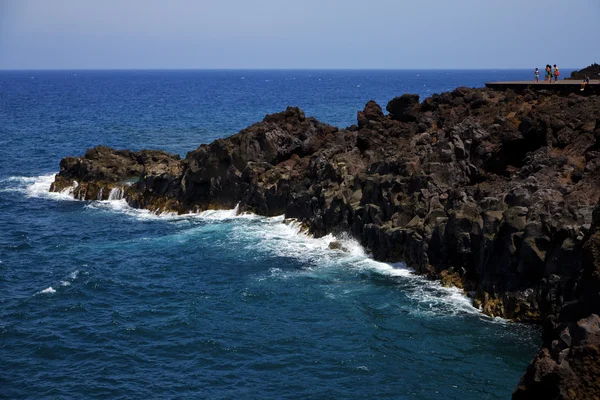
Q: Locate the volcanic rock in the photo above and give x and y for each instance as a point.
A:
(492, 191)
(568, 366)
(592, 71)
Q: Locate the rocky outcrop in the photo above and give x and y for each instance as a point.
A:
(490, 191)
(593, 72)
(262, 168)
(568, 366)
(101, 169)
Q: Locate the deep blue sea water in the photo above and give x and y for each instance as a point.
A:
(98, 300)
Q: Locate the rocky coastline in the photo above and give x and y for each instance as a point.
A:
(490, 191)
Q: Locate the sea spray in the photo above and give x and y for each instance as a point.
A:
(279, 236)
(116, 193)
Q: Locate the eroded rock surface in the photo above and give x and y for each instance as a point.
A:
(102, 169)
(568, 365)
(489, 191)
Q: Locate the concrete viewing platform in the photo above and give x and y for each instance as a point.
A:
(562, 86)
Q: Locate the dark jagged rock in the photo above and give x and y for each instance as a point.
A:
(262, 167)
(491, 191)
(496, 186)
(102, 169)
(371, 116)
(568, 366)
(592, 71)
(404, 108)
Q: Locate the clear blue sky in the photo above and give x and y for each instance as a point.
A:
(50, 34)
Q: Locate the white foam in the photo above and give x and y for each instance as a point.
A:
(67, 281)
(398, 269)
(282, 239)
(39, 186)
(116, 193)
(36, 187)
(70, 278)
(434, 298)
(288, 240)
(48, 290)
(121, 206)
(222, 215)
(273, 235)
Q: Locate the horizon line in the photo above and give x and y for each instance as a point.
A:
(271, 69)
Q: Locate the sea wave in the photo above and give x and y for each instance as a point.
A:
(121, 206)
(65, 281)
(48, 290)
(288, 240)
(35, 187)
(280, 238)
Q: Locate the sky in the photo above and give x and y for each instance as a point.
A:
(308, 34)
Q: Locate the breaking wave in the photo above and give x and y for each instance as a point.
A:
(273, 236)
(36, 187)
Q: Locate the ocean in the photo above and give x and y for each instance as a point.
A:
(99, 300)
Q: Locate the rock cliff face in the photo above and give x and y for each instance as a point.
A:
(568, 365)
(490, 191)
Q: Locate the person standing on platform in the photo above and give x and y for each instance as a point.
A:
(556, 73)
(537, 75)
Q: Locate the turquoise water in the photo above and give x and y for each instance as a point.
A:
(98, 300)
